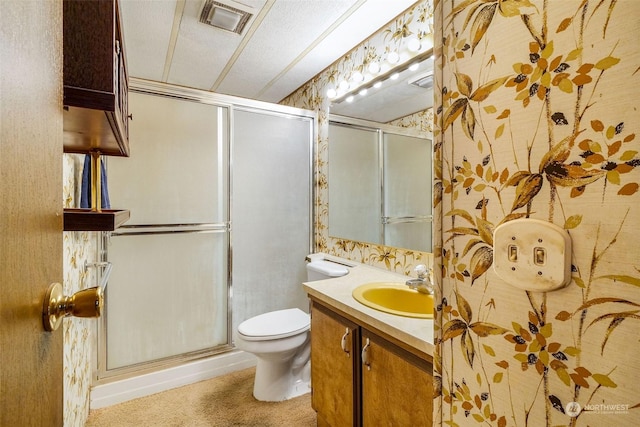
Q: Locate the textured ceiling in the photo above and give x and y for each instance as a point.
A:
(286, 43)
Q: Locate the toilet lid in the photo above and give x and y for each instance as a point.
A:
(275, 324)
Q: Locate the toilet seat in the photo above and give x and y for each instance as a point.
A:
(275, 325)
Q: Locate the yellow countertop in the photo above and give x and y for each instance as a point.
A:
(336, 292)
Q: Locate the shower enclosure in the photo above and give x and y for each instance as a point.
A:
(219, 189)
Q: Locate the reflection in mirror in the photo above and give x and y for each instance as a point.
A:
(354, 183)
(380, 176)
(409, 92)
(406, 188)
(379, 184)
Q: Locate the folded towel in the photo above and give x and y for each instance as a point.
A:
(85, 193)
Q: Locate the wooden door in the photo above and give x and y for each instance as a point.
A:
(397, 387)
(333, 369)
(31, 210)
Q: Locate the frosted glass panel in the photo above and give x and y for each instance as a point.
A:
(178, 166)
(167, 295)
(271, 212)
(407, 191)
(354, 184)
(407, 176)
(168, 290)
(409, 235)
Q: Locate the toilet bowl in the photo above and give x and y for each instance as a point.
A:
(280, 341)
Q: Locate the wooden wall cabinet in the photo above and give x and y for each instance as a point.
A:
(360, 378)
(95, 78)
(96, 86)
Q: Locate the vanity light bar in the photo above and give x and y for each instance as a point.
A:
(382, 77)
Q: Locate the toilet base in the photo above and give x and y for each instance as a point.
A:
(274, 382)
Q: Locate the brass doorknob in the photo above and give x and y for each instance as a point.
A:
(56, 306)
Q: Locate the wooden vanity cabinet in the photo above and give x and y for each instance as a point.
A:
(360, 378)
(95, 78)
(334, 368)
(397, 386)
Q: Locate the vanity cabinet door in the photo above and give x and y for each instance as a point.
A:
(334, 368)
(397, 386)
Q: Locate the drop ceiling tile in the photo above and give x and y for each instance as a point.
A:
(287, 31)
(147, 31)
(201, 51)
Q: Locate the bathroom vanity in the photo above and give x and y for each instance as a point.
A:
(367, 367)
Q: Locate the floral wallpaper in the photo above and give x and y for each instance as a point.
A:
(79, 247)
(422, 121)
(415, 22)
(537, 117)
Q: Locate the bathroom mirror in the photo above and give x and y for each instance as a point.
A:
(379, 184)
(380, 176)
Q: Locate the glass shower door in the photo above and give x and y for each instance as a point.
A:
(169, 288)
(271, 204)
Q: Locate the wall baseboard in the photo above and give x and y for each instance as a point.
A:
(104, 395)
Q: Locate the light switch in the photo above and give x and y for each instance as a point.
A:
(532, 254)
(539, 256)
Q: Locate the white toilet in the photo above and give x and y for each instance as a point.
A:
(280, 341)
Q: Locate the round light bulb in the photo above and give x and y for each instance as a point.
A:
(344, 85)
(331, 93)
(393, 57)
(374, 68)
(413, 45)
(357, 77)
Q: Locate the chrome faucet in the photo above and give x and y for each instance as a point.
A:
(423, 282)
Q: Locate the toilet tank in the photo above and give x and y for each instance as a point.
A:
(323, 269)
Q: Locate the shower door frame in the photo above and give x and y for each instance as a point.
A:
(102, 375)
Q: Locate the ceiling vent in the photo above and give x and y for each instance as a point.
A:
(230, 18)
(424, 81)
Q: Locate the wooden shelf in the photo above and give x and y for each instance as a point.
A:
(87, 130)
(88, 220)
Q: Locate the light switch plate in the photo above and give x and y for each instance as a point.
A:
(533, 255)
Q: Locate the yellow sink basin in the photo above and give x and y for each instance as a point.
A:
(395, 298)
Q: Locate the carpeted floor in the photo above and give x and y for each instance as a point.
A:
(222, 401)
